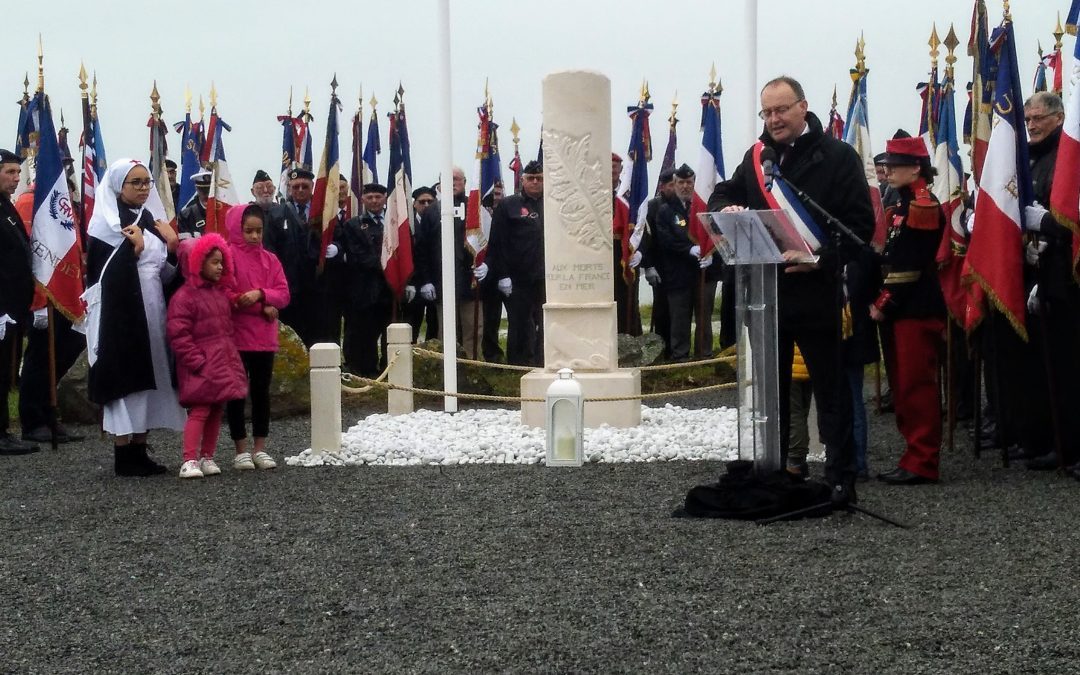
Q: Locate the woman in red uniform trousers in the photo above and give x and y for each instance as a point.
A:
(911, 311)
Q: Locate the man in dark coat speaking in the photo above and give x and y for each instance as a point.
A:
(808, 295)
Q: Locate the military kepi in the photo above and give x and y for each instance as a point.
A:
(905, 152)
(301, 172)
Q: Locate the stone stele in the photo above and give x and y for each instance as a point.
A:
(579, 315)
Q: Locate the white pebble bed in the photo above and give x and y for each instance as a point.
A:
(498, 437)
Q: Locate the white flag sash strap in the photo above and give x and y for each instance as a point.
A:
(783, 197)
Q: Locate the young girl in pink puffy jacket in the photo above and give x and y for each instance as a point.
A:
(259, 290)
(208, 366)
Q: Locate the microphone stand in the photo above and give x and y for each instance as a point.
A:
(838, 231)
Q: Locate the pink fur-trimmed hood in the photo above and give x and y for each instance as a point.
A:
(193, 252)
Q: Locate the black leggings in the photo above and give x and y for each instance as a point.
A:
(260, 370)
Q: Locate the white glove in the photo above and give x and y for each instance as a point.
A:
(41, 318)
(4, 321)
(1033, 216)
(1032, 251)
(410, 293)
(1033, 299)
(427, 292)
(969, 224)
(695, 251)
(506, 287)
(652, 276)
(331, 251)
(635, 260)
(480, 271)
(705, 262)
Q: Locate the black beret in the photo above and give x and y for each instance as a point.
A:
(878, 158)
(169, 164)
(534, 166)
(423, 191)
(684, 171)
(301, 172)
(261, 176)
(666, 176)
(374, 187)
(9, 157)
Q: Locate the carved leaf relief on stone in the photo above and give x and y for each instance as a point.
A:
(578, 186)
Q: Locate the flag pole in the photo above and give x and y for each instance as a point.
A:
(446, 202)
(51, 331)
(752, 66)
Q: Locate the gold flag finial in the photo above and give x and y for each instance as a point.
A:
(155, 100)
(288, 111)
(400, 91)
(712, 78)
(82, 79)
(202, 107)
(40, 65)
(834, 97)
(1038, 48)
(951, 43)
(1006, 11)
(673, 120)
(213, 96)
(373, 102)
(515, 130)
(860, 55)
(93, 95)
(307, 101)
(934, 43)
(26, 88)
(187, 98)
(1058, 33)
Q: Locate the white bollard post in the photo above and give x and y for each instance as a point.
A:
(399, 355)
(325, 359)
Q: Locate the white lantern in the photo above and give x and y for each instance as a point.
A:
(565, 421)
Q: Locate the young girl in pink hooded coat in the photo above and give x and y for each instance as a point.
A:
(208, 366)
(259, 291)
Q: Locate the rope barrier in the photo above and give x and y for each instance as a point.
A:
(518, 399)
(349, 377)
(420, 351)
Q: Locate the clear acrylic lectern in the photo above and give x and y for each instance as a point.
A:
(751, 242)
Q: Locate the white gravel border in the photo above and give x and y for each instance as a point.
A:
(499, 437)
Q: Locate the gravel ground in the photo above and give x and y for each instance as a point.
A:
(522, 568)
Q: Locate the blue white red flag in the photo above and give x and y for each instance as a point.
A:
(857, 135)
(190, 147)
(668, 163)
(639, 154)
(1065, 192)
(994, 259)
(288, 151)
(488, 172)
(324, 199)
(397, 258)
(54, 237)
(222, 191)
(25, 142)
(710, 168)
(358, 175)
(372, 149)
(158, 151)
(977, 129)
(949, 189)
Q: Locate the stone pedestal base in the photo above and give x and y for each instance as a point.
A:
(607, 383)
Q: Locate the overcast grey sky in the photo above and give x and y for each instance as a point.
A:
(253, 50)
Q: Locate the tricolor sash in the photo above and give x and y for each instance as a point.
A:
(783, 197)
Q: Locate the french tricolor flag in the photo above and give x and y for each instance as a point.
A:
(710, 168)
(54, 238)
(222, 191)
(1065, 193)
(324, 199)
(994, 260)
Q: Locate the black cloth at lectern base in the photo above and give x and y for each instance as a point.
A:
(741, 494)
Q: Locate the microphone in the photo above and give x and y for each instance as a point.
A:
(768, 163)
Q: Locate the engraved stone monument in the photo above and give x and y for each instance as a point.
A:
(579, 315)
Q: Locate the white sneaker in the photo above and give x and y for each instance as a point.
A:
(209, 467)
(264, 461)
(242, 462)
(190, 469)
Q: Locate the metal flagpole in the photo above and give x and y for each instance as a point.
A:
(752, 68)
(446, 201)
